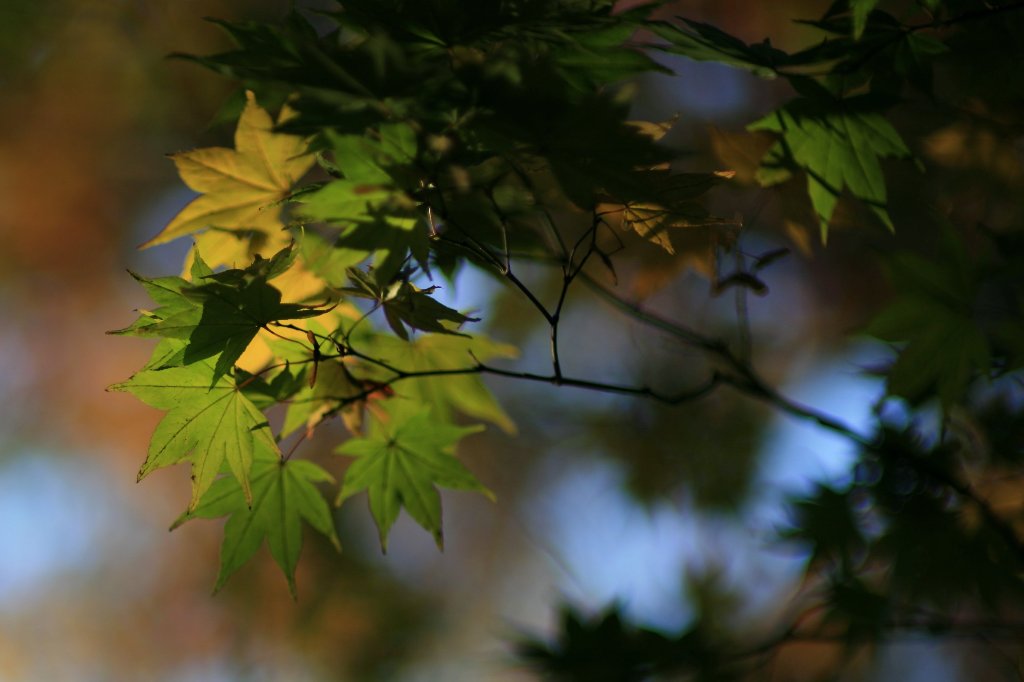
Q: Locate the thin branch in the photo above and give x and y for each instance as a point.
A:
(503, 223)
(374, 308)
(570, 270)
(745, 341)
(295, 445)
(525, 178)
(636, 311)
(745, 379)
(483, 251)
(400, 374)
(266, 328)
(677, 398)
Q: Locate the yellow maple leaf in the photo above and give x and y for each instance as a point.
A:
(240, 187)
(236, 249)
(678, 221)
(237, 215)
(681, 225)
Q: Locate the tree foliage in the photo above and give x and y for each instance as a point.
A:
(417, 138)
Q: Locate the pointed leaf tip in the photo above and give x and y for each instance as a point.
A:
(285, 495)
(237, 186)
(402, 464)
(179, 522)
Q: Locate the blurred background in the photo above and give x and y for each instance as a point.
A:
(601, 500)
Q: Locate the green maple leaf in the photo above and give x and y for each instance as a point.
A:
(376, 162)
(372, 220)
(209, 421)
(838, 143)
(861, 10)
(406, 304)
(327, 259)
(944, 349)
(465, 393)
(372, 202)
(704, 42)
(936, 318)
(283, 494)
(168, 294)
(400, 464)
(269, 388)
(218, 316)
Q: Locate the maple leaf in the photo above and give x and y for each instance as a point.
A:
(944, 349)
(741, 151)
(465, 393)
(209, 421)
(406, 304)
(328, 259)
(838, 143)
(220, 314)
(234, 248)
(284, 493)
(324, 383)
(669, 215)
(270, 388)
(168, 294)
(826, 520)
(373, 203)
(400, 463)
(704, 42)
(861, 10)
(683, 230)
(240, 186)
(934, 316)
(653, 221)
(268, 344)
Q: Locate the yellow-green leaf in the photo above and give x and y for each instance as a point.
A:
(209, 422)
(240, 186)
(400, 464)
(283, 495)
(465, 393)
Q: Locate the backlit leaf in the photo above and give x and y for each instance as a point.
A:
(220, 314)
(704, 42)
(838, 144)
(284, 494)
(861, 9)
(933, 316)
(209, 422)
(401, 463)
(240, 187)
(405, 304)
(463, 393)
